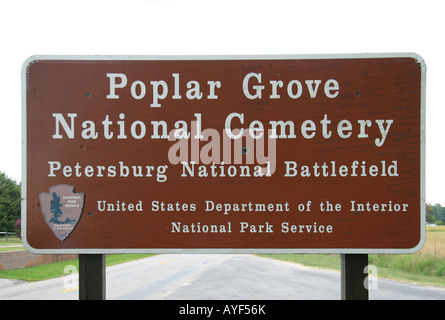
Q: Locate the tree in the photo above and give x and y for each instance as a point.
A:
(430, 217)
(55, 208)
(439, 212)
(10, 198)
(435, 213)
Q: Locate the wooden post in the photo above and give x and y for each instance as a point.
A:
(353, 277)
(92, 277)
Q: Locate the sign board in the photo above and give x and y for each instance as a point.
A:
(308, 154)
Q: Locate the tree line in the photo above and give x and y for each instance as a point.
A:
(435, 214)
(10, 198)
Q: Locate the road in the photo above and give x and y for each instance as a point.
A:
(213, 276)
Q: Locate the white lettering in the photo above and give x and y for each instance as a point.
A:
(69, 130)
(114, 85)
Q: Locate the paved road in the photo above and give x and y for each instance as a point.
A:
(207, 276)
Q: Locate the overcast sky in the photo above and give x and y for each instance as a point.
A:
(206, 27)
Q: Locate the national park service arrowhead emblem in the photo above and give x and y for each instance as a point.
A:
(62, 207)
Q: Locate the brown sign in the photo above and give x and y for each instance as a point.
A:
(224, 154)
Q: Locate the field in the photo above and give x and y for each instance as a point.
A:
(435, 242)
(426, 267)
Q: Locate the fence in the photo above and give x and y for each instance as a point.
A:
(5, 234)
(24, 259)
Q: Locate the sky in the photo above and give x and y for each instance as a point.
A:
(214, 27)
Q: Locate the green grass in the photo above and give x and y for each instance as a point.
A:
(14, 240)
(426, 267)
(6, 249)
(415, 268)
(57, 269)
(402, 267)
(325, 261)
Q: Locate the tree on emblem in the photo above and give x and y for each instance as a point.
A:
(55, 208)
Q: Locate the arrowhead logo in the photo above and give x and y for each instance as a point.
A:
(62, 208)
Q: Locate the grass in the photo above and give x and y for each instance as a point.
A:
(426, 267)
(12, 241)
(57, 269)
(5, 249)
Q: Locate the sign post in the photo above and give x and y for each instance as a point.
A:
(353, 277)
(92, 284)
(239, 154)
